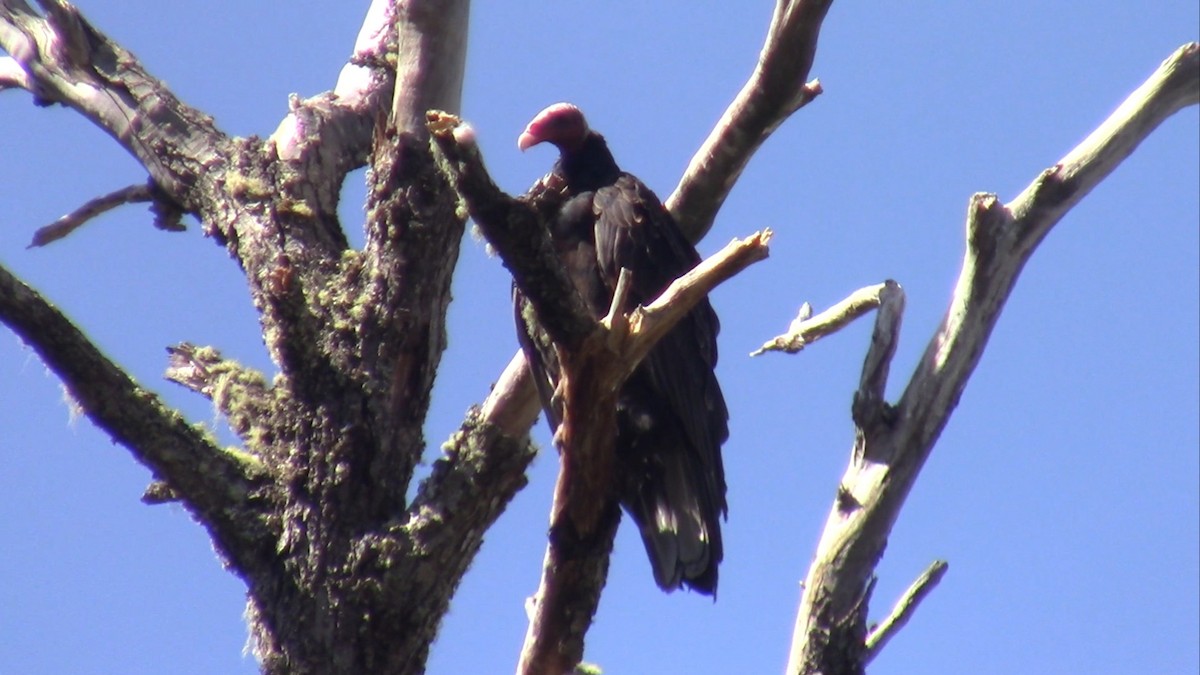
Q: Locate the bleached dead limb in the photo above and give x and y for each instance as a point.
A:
(512, 403)
(775, 90)
(892, 443)
(11, 74)
(616, 320)
(431, 56)
(345, 116)
(806, 329)
(649, 323)
(879, 636)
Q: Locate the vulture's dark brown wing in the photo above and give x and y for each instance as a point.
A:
(672, 414)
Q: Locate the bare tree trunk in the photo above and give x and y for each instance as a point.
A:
(343, 574)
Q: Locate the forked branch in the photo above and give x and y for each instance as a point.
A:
(775, 90)
(777, 87)
(59, 57)
(892, 443)
(596, 358)
(584, 515)
(806, 329)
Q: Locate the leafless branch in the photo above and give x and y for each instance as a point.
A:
(11, 74)
(879, 636)
(335, 129)
(648, 324)
(59, 57)
(431, 56)
(239, 393)
(806, 329)
(892, 443)
(212, 481)
(377, 320)
(67, 224)
(585, 514)
(884, 338)
(774, 91)
(616, 320)
(224, 181)
(64, 59)
(595, 360)
(331, 134)
(512, 404)
(1001, 238)
(468, 488)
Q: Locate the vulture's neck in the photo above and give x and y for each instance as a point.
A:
(590, 166)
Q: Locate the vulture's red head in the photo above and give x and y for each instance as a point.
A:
(561, 125)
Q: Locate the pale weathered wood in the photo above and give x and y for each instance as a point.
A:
(893, 442)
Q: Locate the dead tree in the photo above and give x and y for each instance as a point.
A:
(344, 574)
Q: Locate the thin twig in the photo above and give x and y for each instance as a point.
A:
(616, 320)
(131, 194)
(806, 329)
(879, 636)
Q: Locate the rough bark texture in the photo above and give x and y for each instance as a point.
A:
(596, 359)
(343, 574)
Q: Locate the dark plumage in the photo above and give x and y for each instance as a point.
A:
(671, 416)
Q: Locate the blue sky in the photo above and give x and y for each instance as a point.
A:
(1064, 492)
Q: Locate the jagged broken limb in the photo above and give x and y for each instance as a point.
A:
(893, 441)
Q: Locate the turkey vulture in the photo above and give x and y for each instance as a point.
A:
(671, 416)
